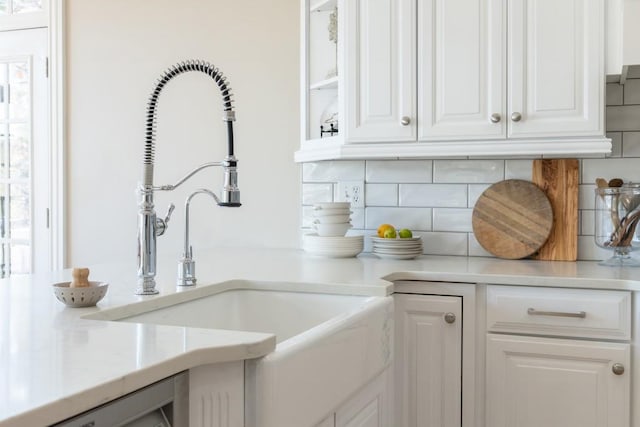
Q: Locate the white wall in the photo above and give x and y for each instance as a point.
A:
(116, 50)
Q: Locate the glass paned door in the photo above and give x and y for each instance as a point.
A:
(22, 14)
(15, 166)
(24, 130)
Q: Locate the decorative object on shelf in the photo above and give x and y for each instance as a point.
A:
(333, 37)
(617, 215)
(329, 119)
(512, 219)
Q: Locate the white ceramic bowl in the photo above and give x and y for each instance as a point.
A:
(332, 205)
(87, 296)
(320, 213)
(332, 229)
(332, 219)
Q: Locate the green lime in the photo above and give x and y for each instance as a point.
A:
(405, 233)
(390, 233)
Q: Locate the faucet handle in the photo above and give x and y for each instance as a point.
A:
(162, 224)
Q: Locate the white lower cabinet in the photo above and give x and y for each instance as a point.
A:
(558, 375)
(428, 360)
(533, 382)
(479, 355)
(372, 406)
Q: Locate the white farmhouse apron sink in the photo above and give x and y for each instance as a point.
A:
(328, 345)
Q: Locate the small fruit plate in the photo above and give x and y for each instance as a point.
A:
(395, 240)
(86, 296)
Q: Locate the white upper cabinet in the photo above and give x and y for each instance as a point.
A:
(461, 64)
(380, 70)
(435, 78)
(555, 68)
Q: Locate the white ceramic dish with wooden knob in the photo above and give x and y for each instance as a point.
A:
(85, 296)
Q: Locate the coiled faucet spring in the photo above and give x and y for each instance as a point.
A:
(166, 77)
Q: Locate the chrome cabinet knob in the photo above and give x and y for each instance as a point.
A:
(449, 318)
(405, 121)
(495, 118)
(618, 368)
(516, 117)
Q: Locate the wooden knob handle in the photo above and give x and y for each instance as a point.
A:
(80, 278)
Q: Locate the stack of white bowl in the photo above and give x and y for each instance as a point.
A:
(332, 219)
(399, 248)
(331, 223)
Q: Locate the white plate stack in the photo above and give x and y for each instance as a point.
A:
(331, 222)
(406, 248)
(332, 219)
(333, 247)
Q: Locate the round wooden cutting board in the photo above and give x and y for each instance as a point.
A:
(512, 219)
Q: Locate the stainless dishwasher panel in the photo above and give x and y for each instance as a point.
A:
(162, 404)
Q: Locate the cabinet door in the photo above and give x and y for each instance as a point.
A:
(428, 360)
(461, 69)
(380, 73)
(533, 382)
(556, 68)
(370, 407)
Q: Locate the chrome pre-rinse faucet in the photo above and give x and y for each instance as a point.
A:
(149, 225)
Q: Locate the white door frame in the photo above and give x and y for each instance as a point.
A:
(57, 82)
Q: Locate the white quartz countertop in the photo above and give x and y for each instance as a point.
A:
(55, 364)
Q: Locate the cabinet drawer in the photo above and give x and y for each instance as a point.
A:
(581, 313)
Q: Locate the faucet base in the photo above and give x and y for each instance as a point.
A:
(186, 272)
(147, 287)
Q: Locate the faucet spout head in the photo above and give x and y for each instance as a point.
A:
(230, 195)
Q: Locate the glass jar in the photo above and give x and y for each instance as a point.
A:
(617, 215)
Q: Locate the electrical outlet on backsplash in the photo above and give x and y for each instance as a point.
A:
(435, 198)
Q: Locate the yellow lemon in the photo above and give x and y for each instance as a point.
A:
(383, 228)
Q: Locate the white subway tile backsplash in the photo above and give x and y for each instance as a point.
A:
(475, 191)
(616, 144)
(381, 194)
(626, 168)
(475, 249)
(344, 170)
(412, 218)
(589, 251)
(436, 243)
(623, 118)
(468, 171)
(317, 193)
(586, 196)
(631, 144)
(614, 93)
(399, 171)
(632, 91)
(448, 219)
(433, 195)
(587, 222)
(518, 169)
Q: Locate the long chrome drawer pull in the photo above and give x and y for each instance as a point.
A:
(534, 312)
